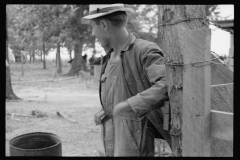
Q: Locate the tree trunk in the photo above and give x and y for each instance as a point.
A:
(77, 61)
(169, 43)
(22, 64)
(70, 53)
(10, 95)
(59, 64)
(30, 54)
(159, 38)
(41, 53)
(44, 60)
(38, 50)
(56, 59)
(94, 46)
(93, 55)
(33, 55)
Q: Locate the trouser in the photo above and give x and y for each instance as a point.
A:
(124, 137)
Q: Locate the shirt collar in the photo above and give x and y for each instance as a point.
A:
(130, 42)
(128, 45)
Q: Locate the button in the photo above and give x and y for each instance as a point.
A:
(138, 131)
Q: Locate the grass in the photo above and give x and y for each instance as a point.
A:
(84, 84)
(34, 72)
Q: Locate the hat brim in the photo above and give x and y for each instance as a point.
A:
(86, 19)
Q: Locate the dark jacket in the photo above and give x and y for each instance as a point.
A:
(144, 71)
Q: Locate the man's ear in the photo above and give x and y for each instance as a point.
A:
(104, 25)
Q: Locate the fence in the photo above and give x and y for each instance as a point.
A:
(201, 99)
(222, 120)
(221, 110)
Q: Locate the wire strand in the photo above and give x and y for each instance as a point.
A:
(201, 18)
(198, 63)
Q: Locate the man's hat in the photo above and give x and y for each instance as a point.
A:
(99, 10)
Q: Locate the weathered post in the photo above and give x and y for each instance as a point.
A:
(195, 47)
(185, 39)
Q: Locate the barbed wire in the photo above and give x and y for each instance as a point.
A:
(221, 56)
(201, 18)
(181, 20)
(217, 25)
(197, 63)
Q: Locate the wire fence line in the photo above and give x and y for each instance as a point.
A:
(204, 19)
(197, 63)
(220, 27)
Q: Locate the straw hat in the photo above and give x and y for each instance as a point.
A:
(98, 10)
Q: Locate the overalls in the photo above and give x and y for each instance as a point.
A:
(124, 134)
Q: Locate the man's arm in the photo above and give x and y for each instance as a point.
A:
(154, 69)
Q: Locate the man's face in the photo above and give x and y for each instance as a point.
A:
(100, 33)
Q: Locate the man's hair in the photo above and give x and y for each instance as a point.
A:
(117, 19)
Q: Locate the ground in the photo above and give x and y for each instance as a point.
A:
(43, 91)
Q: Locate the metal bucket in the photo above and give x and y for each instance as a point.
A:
(36, 144)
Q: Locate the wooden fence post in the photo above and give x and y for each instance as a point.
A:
(172, 19)
(190, 94)
(195, 47)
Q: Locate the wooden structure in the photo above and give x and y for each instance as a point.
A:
(206, 125)
(229, 24)
(222, 120)
(194, 79)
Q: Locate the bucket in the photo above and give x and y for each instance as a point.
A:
(36, 144)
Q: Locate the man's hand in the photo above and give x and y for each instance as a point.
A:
(121, 107)
(98, 116)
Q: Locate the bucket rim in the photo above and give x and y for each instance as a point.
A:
(52, 134)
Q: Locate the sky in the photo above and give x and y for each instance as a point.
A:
(220, 40)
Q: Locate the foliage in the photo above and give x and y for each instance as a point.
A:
(145, 22)
(29, 25)
(213, 13)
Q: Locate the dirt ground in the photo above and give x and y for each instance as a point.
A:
(77, 98)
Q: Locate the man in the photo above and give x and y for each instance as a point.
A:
(132, 85)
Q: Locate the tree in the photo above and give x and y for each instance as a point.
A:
(80, 34)
(44, 26)
(213, 14)
(144, 23)
(10, 95)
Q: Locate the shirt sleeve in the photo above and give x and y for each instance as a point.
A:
(154, 69)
